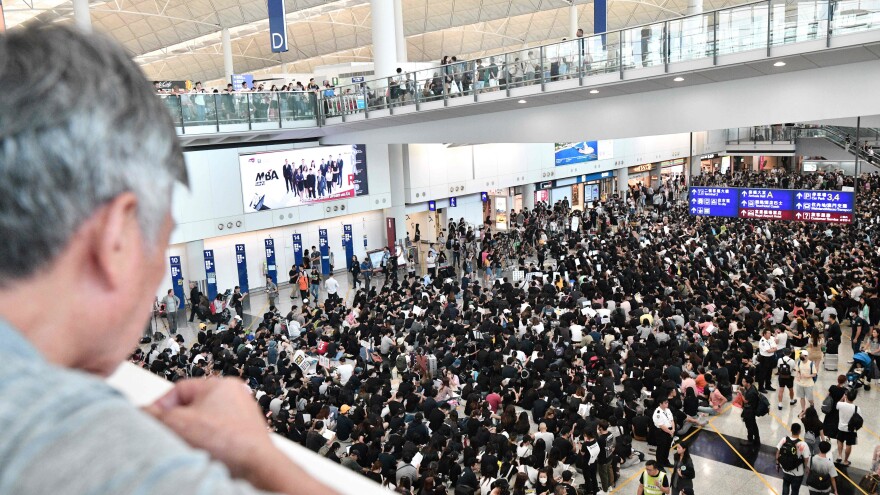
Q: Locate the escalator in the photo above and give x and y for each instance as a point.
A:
(836, 143)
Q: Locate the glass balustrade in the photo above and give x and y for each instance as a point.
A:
(743, 28)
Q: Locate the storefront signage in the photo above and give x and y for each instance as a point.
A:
(709, 156)
(672, 163)
(547, 184)
(772, 204)
(641, 168)
(432, 206)
(592, 177)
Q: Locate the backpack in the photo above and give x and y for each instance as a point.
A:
(400, 363)
(763, 406)
(856, 421)
(784, 369)
(816, 481)
(788, 455)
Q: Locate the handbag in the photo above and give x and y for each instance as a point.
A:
(827, 404)
(869, 483)
(376, 357)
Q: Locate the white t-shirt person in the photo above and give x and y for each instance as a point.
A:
(845, 411)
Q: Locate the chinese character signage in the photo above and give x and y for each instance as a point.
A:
(177, 278)
(714, 201)
(271, 268)
(347, 244)
(211, 274)
(324, 246)
(772, 204)
(297, 249)
(241, 263)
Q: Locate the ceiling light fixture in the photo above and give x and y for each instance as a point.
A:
(678, 79)
(594, 91)
(522, 101)
(779, 64)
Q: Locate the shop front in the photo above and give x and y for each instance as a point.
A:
(542, 192)
(710, 164)
(597, 187)
(642, 175)
(495, 208)
(673, 169)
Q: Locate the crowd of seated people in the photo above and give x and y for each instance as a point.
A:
(540, 383)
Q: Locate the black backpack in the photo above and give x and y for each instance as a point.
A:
(784, 369)
(856, 421)
(816, 481)
(788, 455)
(763, 406)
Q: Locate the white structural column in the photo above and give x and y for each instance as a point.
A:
(573, 20)
(528, 196)
(399, 37)
(622, 182)
(194, 269)
(384, 38)
(227, 55)
(81, 15)
(397, 211)
(694, 7)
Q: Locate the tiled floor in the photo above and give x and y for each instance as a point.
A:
(719, 466)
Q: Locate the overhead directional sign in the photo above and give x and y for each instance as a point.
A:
(714, 201)
(772, 204)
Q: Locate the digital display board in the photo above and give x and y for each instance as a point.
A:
(772, 204)
(584, 151)
(281, 179)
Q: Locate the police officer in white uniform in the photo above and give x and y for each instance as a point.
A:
(766, 361)
(665, 425)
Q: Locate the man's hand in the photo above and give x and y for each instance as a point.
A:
(221, 417)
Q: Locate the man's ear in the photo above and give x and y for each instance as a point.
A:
(118, 237)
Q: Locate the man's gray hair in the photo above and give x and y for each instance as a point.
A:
(79, 125)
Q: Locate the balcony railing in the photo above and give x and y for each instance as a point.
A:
(759, 26)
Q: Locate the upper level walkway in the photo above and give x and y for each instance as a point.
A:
(764, 38)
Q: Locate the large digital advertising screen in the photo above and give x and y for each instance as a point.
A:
(585, 151)
(282, 179)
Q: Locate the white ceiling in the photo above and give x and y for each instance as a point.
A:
(180, 39)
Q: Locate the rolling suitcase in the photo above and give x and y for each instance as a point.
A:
(432, 366)
(831, 362)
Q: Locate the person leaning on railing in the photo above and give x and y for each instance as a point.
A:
(88, 164)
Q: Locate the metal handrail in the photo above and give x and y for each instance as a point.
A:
(609, 52)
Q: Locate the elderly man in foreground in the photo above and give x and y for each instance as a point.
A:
(88, 158)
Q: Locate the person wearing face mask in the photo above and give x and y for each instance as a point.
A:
(805, 374)
(545, 482)
(716, 400)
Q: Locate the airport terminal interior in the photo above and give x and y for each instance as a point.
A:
(522, 246)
